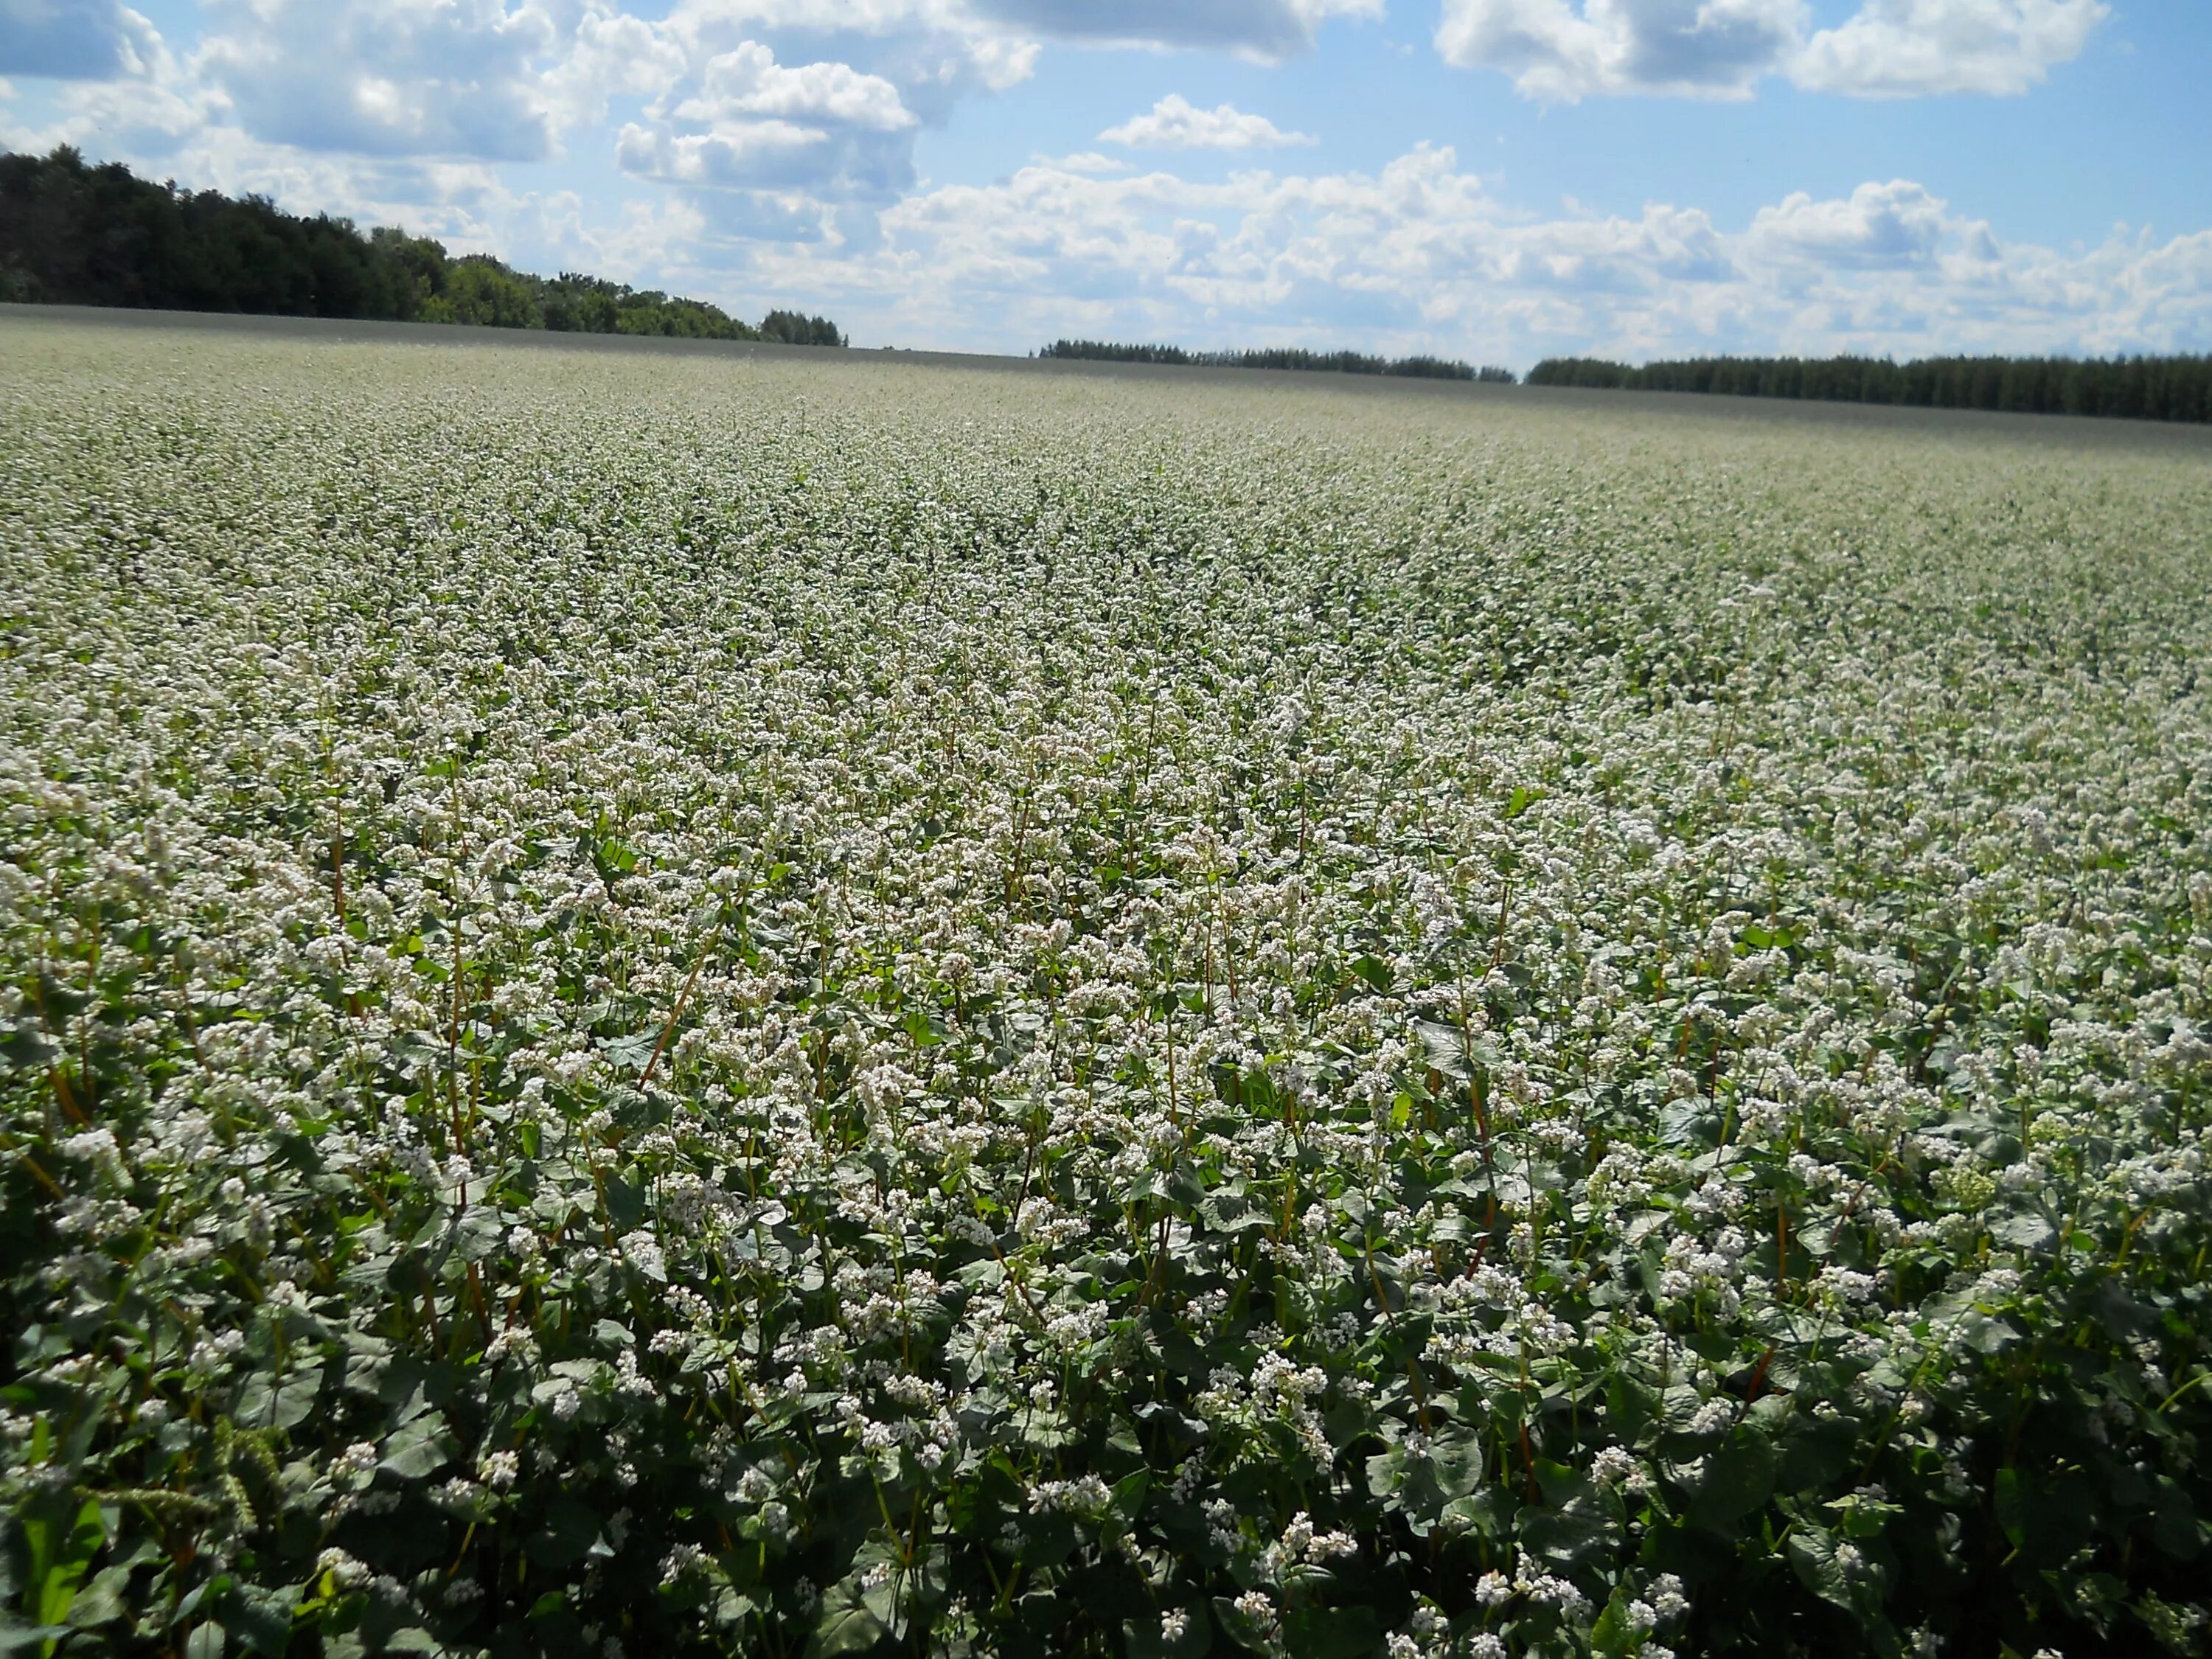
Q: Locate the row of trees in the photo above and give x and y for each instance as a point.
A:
(80, 234)
(2137, 388)
(1336, 362)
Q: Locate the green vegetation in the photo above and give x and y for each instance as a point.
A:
(1335, 362)
(2135, 388)
(75, 234)
(662, 1005)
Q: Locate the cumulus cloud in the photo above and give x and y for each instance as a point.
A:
(788, 110)
(390, 77)
(746, 153)
(72, 40)
(1419, 256)
(744, 122)
(1563, 50)
(509, 80)
(1258, 28)
(1559, 50)
(1904, 48)
(796, 106)
(750, 81)
(1086, 161)
(1420, 238)
(1897, 224)
(1174, 123)
(779, 137)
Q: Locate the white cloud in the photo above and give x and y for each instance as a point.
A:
(390, 77)
(1087, 161)
(1419, 256)
(749, 80)
(1175, 124)
(72, 40)
(1264, 29)
(796, 107)
(745, 122)
(1902, 48)
(712, 157)
(1896, 224)
(1559, 50)
(775, 142)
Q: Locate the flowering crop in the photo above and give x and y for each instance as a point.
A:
(654, 1004)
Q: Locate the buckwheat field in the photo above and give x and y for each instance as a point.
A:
(658, 1003)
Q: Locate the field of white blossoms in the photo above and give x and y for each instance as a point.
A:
(656, 1004)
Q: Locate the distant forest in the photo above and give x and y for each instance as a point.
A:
(2135, 388)
(74, 234)
(1334, 362)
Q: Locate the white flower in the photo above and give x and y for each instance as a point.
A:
(345, 1570)
(1612, 1466)
(1256, 1606)
(499, 1469)
(679, 1560)
(1712, 1417)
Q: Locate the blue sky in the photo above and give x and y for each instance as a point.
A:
(1494, 179)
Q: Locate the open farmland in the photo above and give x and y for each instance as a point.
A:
(661, 1002)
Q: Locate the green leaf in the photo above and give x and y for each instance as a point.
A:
(1837, 1571)
(625, 1202)
(2011, 1507)
(2175, 1527)
(417, 1449)
(102, 1600)
(1739, 1478)
(259, 1617)
(1579, 1519)
(1815, 1452)
(280, 1403)
(1374, 971)
(2027, 1232)
(631, 1053)
(16, 1636)
(1615, 1636)
(1812, 1552)
(1688, 1123)
(1240, 1628)
(566, 1535)
(844, 1625)
(1332, 1632)
(62, 1539)
(1448, 1049)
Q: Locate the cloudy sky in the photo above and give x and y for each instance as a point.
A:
(1494, 179)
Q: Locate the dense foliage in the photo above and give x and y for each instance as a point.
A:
(75, 234)
(655, 1006)
(2135, 388)
(1335, 362)
(793, 329)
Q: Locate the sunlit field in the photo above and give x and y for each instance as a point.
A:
(662, 1002)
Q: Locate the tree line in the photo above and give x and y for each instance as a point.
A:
(77, 234)
(2177, 388)
(1336, 362)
